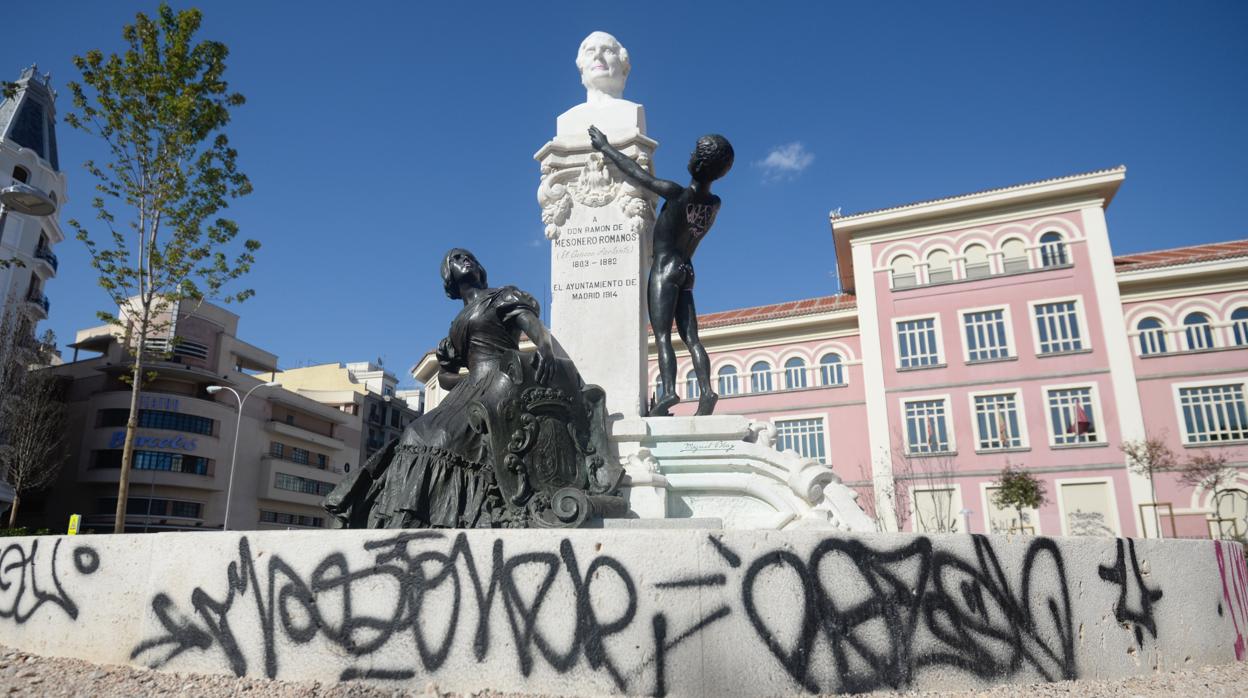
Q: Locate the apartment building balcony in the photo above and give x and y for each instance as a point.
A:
(284, 481)
(297, 432)
(45, 255)
(39, 302)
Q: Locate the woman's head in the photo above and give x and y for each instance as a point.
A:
(455, 265)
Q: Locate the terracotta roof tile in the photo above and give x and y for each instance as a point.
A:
(1182, 255)
(797, 308)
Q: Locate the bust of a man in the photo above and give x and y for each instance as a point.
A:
(604, 67)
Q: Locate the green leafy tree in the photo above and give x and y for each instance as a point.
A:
(160, 108)
(1148, 457)
(1018, 489)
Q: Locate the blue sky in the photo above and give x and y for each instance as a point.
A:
(377, 135)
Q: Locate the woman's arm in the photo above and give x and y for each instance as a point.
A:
(448, 364)
(537, 333)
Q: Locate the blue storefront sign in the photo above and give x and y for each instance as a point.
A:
(180, 442)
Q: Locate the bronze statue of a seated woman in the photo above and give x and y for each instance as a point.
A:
(519, 439)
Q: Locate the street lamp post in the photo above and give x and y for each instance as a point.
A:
(238, 426)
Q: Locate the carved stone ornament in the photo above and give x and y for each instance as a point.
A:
(595, 184)
(550, 453)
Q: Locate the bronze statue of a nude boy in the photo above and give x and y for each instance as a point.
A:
(686, 217)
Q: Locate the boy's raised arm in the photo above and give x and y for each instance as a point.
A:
(662, 187)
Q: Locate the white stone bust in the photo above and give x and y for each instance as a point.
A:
(604, 67)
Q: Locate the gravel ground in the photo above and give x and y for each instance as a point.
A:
(24, 674)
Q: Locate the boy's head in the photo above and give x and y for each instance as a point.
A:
(711, 159)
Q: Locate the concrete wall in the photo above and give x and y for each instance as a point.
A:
(669, 612)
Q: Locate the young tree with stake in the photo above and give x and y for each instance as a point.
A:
(160, 108)
(1018, 489)
(1148, 457)
(1211, 472)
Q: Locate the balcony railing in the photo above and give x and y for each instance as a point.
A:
(40, 300)
(771, 381)
(46, 255)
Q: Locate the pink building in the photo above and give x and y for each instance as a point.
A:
(994, 329)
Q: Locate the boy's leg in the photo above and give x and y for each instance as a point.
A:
(687, 325)
(663, 292)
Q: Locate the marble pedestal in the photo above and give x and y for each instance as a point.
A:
(599, 226)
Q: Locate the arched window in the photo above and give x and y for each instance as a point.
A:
(1152, 336)
(691, 385)
(1239, 326)
(1232, 508)
(760, 377)
(903, 272)
(1053, 250)
(21, 174)
(1199, 333)
(977, 266)
(794, 373)
(658, 388)
(938, 267)
(728, 381)
(1014, 252)
(832, 369)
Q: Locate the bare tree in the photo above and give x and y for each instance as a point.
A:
(915, 472)
(891, 492)
(32, 416)
(1148, 457)
(35, 450)
(1209, 471)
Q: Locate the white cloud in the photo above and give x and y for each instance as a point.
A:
(786, 160)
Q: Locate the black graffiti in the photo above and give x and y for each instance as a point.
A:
(1142, 618)
(20, 594)
(658, 622)
(86, 560)
(970, 615)
(287, 603)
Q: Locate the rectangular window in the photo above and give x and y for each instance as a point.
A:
(1214, 413)
(926, 427)
(985, 335)
(292, 483)
(917, 343)
(321, 461)
(156, 460)
(1004, 521)
(1057, 327)
(188, 510)
(158, 419)
(1088, 508)
(802, 435)
(299, 455)
(997, 422)
(283, 519)
(277, 449)
(936, 511)
(1071, 416)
